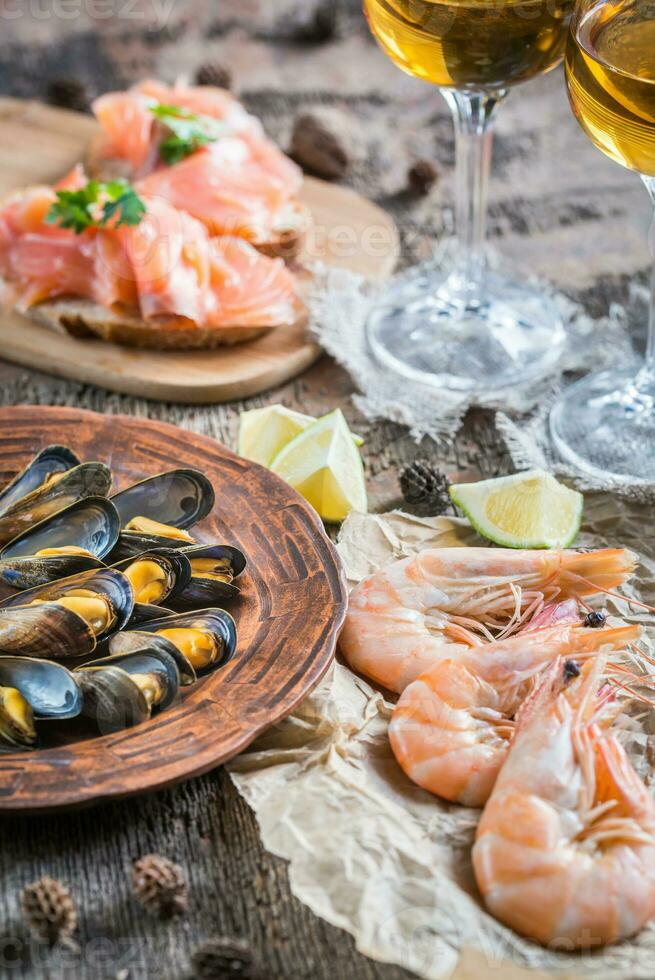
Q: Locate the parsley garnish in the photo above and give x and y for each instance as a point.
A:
(94, 205)
(189, 131)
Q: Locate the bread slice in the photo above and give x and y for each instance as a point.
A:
(82, 318)
(285, 241)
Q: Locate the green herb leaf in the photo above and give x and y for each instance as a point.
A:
(189, 131)
(94, 205)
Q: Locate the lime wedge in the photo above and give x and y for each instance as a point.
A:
(527, 510)
(322, 464)
(263, 432)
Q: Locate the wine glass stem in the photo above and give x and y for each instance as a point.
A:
(647, 373)
(472, 115)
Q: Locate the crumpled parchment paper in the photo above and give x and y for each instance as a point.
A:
(372, 853)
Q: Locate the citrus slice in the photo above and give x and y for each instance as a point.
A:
(322, 464)
(527, 510)
(263, 432)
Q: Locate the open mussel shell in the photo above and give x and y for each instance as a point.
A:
(49, 688)
(108, 584)
(156, 575)
(111, 699)
(48, 631)
(85, 480)
(144, 662)
(134, 641)
(130, 544)
(144, 612)
(183, 628)
(47, 463)
(213, 567)
(91, 524)
(179, 498)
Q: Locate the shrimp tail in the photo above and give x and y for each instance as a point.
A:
(588, 573)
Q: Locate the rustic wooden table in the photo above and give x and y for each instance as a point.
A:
(557, 205)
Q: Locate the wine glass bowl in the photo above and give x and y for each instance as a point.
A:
(604, 425)
(465, 326)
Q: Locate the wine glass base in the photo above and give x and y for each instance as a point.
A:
(604, 425)
(443, 336)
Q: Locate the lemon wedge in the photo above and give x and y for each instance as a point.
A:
(526, 510)
(322, 463)
(263, 432)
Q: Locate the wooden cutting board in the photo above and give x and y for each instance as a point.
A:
(39, 143)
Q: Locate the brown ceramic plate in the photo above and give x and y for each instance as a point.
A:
(291, 608)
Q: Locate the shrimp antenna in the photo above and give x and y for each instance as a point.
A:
(614, 595)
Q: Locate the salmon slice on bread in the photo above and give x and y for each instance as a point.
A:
(159, 280)
(233, 179)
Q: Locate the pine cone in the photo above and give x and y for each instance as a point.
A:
(214, 74)
(68, 92)
(319, 147)
(421, 177)
(221, 958)
(160, 885)
(49, 911)
(324, 26)
(422, 483)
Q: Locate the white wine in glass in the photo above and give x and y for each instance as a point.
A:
(468, 327)
(605, 424)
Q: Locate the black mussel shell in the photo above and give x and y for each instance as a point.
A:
(179, 498)
(91, 523)
(217, 621)
(52, 459)
(178, 564)
(151, 660)
(109, 582)
(202, 591)
(50, 688)
(111, 699)
(143, 612)
(45, 631)
(133, 641)
(130, 544)
(85, 480)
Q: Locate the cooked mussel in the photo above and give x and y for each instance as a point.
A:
(47, 630)
(72, 541)
(207, 638)
(17, 729)
(58, 492)
(155, 575)
(157, 511)
(213, 570)
(42, 468)
(33, 689)
(69, 616)
(134, 641)
(122, 691)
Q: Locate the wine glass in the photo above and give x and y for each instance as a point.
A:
(468, 327)
(605, 424)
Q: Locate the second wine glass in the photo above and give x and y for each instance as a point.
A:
(469, 327)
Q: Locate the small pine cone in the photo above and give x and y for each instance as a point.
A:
(324, 26)
(421, 177)
(219, 959)
(49, 911)
(160, 885)
(68, 92)
(422, 483)
(318, 146)
(214, 74)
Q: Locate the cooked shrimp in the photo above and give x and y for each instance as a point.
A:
(565, 848)
(444, 600)
(451, 728)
